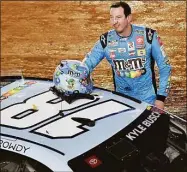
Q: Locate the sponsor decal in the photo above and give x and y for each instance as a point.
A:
(134, 74)
(121, 50)
(113, 43)
(131, 68)
(112, 50)
(93, 161)
(141, 52)
(6, 144)
(132, 53)
(130, 46)
(139, 41)
(140, 31)
(150, 35)
(103, 39)
(129, 64)
(73, 73)
(112, 55)
(16, 90)
(136, 132)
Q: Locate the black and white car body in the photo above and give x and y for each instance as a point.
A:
(42, 131)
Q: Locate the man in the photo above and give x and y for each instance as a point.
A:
(132, 50)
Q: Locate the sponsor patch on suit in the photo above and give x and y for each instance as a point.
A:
(139, 41)
(121, 50)
(131, 46)
(141, 52)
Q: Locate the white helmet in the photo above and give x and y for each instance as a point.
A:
(72, 76)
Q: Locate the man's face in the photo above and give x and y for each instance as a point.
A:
(118, 20)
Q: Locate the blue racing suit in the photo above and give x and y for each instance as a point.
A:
(132, 60)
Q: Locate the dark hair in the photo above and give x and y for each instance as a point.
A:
(124, 5)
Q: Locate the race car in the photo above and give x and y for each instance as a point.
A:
(43, 130)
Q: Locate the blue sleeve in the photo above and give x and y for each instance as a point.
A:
(163, 65)
(93, 58)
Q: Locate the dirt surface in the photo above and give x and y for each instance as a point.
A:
(35, 36)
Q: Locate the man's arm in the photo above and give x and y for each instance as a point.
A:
(97, 53)
(164, 70)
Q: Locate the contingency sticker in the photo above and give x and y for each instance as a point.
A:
(16, 90)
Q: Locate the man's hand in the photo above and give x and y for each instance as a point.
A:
(159, 104)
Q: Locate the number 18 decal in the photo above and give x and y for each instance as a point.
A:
(46, 112)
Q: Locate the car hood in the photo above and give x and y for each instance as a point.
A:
(32, 112)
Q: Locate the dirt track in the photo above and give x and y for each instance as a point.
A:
(37, 35)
